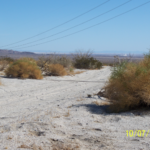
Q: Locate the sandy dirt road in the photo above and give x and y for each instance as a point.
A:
(55, 113)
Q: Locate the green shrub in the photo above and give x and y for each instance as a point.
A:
(87, 63)
(84, 60)
(129, 86)
(24, 68)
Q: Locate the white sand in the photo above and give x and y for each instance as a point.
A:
(56, 111)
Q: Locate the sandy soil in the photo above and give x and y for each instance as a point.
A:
(55, 113)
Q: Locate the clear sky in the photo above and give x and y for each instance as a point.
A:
(22, 19)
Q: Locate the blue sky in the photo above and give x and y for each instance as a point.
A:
(21, 19)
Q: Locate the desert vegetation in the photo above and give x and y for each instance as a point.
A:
(84, 60)
(55, 70)
(55, 65)
(52, 65)
(54, 59)
(4, 62)
(129, 85)
(63, 65)
(24, 68)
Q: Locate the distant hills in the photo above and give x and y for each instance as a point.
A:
(105, 58)
(17, 54)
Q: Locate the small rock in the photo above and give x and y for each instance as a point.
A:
(89, 96)
(40, 133)
(97, 129)
(80, 124)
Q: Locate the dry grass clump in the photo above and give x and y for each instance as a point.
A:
(129, 86)
(24, 68)
(84, 60)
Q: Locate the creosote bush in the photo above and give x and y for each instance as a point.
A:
(24, 68)
(129, 86)
(84, 60)
(55, 70)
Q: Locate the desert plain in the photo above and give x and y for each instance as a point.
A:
(55, 113)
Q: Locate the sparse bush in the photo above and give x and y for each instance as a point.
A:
(8, 59)
(31, 60)
(54, 65)
(24, 68)
(129, 86)
(64, 61)
(54, 59)
(86, 61)
(4, 62)
(55, 70)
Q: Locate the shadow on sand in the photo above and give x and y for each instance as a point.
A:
(103, 110)
(94, 109)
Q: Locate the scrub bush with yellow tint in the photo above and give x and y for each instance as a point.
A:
(129, 86)
(24, 68)
(55, 70)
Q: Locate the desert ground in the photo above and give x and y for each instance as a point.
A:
(55, 113)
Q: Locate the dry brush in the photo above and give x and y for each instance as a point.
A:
(129, 86)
